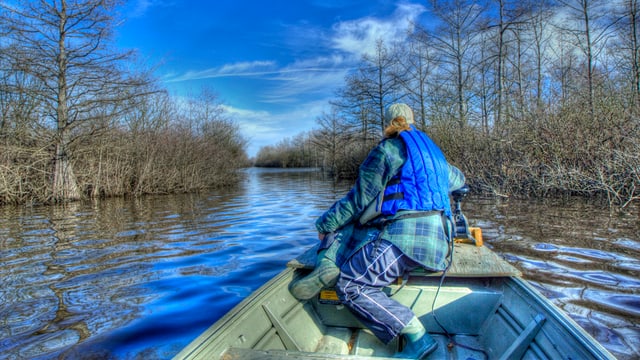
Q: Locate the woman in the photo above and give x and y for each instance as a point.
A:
(411, 231)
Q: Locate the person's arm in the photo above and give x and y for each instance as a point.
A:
(456, 178)
(373, 175)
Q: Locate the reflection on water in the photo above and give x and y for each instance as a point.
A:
(582, 257)
(141, 278)
(124, 278)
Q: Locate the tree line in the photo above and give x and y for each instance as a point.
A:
(79, 118)
(529, 98)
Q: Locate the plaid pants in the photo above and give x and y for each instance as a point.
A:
(362, 277)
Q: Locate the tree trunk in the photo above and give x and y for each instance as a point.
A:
(65, 186)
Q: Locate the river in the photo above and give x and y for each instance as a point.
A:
(141, 278)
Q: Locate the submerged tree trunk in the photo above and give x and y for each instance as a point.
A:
(64, 186)
(66, 48)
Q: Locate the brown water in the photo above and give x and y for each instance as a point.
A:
(125, 279)
(583, 257)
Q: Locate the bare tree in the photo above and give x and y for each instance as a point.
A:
(416, 69)
(507, 27)
(354, 106)
(65, 45)
(375, 83)
(332, 135)
(627, 19)
(455, 40)
(538, 26)
(591, 31)
(485, 88)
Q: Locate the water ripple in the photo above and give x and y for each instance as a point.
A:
(140, 278)
(582, 257)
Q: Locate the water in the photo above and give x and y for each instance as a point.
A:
(141, 278)
(581, 256)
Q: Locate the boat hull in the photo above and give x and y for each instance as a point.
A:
(472, 317)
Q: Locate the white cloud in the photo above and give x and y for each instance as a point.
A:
(317, 76)
(139, 8)
(297, 92)
(348, 42)
(358, 37)
(263, 128)
(304, 83)
(252, 114)
(247, 68)
(260, 127)
(322, 75)
(242, 68)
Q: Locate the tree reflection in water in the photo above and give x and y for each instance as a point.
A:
(125, 278)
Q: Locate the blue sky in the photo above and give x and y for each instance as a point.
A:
(275, 64)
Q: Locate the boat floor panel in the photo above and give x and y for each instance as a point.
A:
(250, 354)
(335, 341)
(487, 317)
(462, 347)
(366, 344)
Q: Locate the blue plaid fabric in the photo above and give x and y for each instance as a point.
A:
(423, 239)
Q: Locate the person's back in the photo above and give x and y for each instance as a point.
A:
(412, 231)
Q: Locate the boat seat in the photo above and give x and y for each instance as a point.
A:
(468, 261)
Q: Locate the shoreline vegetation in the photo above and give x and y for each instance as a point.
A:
(80, 118)
(530, 99)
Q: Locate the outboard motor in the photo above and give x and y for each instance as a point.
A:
(464, 233)
(462, 225)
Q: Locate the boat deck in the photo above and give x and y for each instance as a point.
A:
(483, 310)
(336, 346)
(468, 261)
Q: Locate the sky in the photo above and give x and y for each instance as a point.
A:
(274, 64)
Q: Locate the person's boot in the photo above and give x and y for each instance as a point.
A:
(324, 275)
(418, 343)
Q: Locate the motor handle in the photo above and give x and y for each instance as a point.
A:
(460, 194)
(464, 232)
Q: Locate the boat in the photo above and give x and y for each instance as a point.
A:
(481, 309)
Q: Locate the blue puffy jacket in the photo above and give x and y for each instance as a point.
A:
(423, 182)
